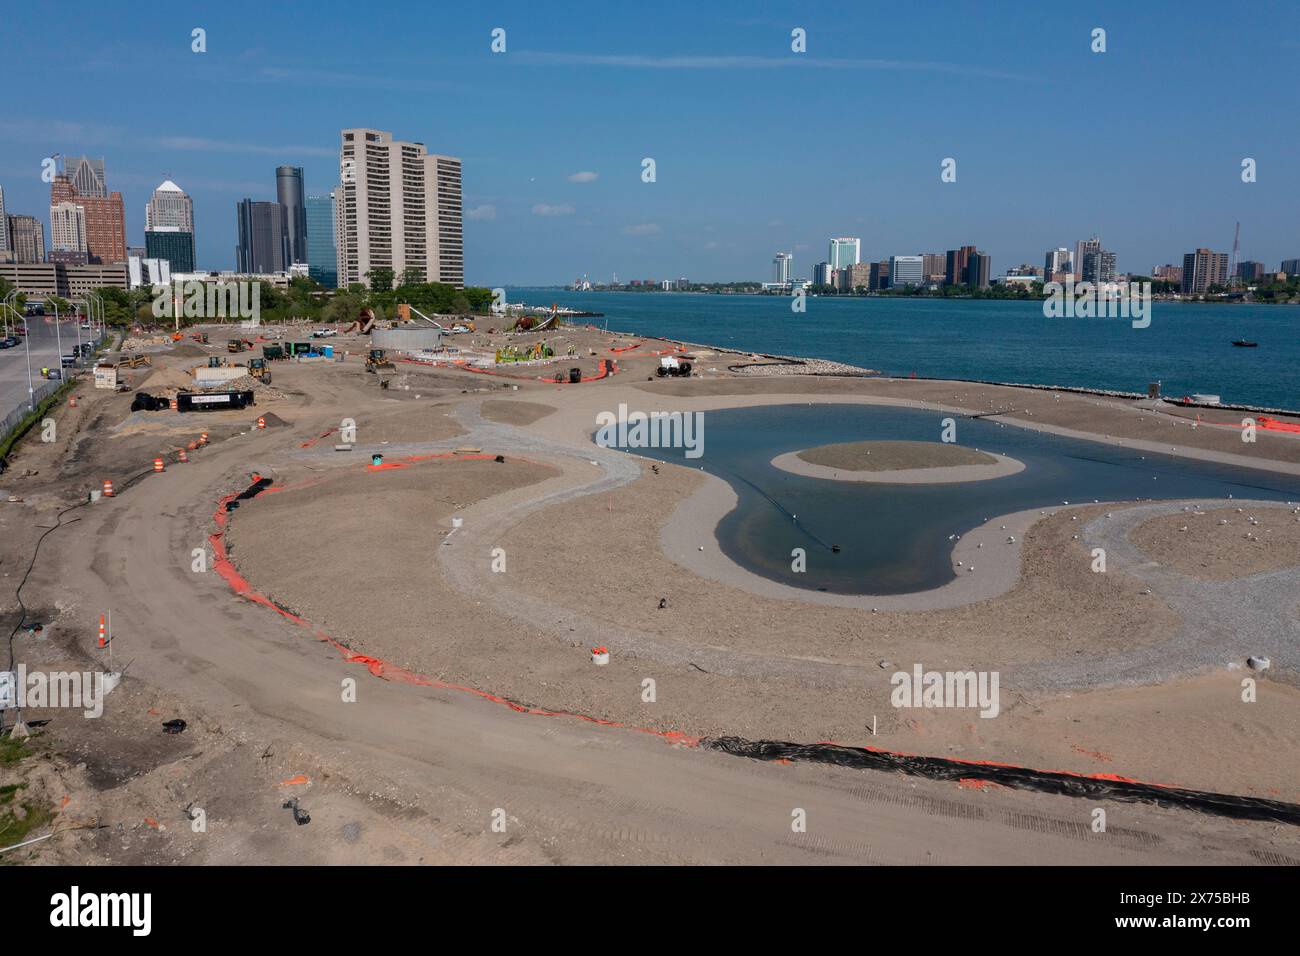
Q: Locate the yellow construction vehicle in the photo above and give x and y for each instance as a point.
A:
(378, 361)
(257, 368)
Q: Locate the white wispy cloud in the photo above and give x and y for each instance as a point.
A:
(795, 61)
(485, 211)
(584, 177)
(642, 229)
(545, 209)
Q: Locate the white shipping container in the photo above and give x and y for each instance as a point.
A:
(106, 376)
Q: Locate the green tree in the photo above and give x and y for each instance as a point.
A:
(381, 280)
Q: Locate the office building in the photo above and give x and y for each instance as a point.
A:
(906, 271)
(1098, 266)
(322, 264)
(70, 281)
(1081, 249)
(1290, 266)
(878, 275)
(1058, 266)
(823, 274)
(1202, 269)
(67, 228)
(105, 216)
(398, 208)
(172, 244)
(955, 262)
(856, 276)
(1251, 271)
(263, 238)
(289, 193)
(26, 238)
(145, 271)
(1168, 273)
(845, 252)
(978, 270)
(87, 175)
(781, 266)
(5, 247)
(934, 267)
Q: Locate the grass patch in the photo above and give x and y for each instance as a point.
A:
(12, 751)
(8, 443)
(18, 819)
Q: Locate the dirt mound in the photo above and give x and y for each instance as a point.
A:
(167, 378)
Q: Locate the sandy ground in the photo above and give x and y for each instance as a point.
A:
(893, 455)
(1224, 543)
(897, 462)
(511, 602)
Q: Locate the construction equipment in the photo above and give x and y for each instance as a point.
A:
(238, 345)
(200, 337)
(214, 361)
(257, 368)
(273, 353)
(669, 365)
(377, 360)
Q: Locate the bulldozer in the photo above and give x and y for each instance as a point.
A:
(378, 361)
(238, 345)
(257, 368)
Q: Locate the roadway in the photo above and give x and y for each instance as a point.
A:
(44, 344)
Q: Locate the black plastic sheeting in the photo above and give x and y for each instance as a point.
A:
(252, 491)
(1021, 778)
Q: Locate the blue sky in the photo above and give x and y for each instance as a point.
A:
(757, 148)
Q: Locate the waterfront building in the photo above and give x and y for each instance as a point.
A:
(781, 266)
(399, 208)
(1202, 269)
(906, 271)
(955, 263)
(845, 252)
(289, 194)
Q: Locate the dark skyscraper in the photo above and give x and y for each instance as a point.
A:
(289, 193)
(263, 237)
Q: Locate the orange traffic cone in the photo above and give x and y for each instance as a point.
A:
(103, 640)
(72, 401)
(174, 405)
(261, 422)
(157, 465)
(108, 488)
(184, 457)
(203, 438)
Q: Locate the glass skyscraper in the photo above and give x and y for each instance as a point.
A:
(321, 263)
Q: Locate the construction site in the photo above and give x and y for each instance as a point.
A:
(379, 593)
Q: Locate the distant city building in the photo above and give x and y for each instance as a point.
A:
(845, 252)
(321, 254)
(68, 257)
(955, 263)
(1251, 271)
(978, 270)
(878, 275)
(1290, 266)
(105, 215)
(856, 276)
(263, 240)
(905, 271)
(1058, 266)
(87, 175)
(823, 273)
(169, 207)
(781, 265)
(67, 228)
(289, 193)
(1168, 273)
(70, 281)
(1081, 249)
(1025, 270)
(399, 208)
(1098, 266)
(1202, 269)
(934, 267)
(145, 271)
(26, 238)
(172, 244)
(5, 247)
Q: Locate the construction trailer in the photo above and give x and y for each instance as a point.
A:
(213, 401)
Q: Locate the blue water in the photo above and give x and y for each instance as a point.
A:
(894, 539)
(1187, 347)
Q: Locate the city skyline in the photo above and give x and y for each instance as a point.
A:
(1026, 176)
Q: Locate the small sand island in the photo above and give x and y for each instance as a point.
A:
(897, 462)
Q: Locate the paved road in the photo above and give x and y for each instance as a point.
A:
(583, 793)
(44, 344)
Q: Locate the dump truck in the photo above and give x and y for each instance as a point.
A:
(378, 360)
(273, 353)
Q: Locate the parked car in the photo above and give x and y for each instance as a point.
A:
(8, 342)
